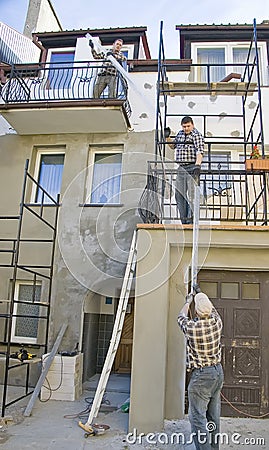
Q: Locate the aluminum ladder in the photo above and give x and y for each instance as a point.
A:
(117, 330)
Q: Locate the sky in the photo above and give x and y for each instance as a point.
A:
(83, 14)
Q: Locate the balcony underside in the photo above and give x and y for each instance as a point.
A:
(93, 116)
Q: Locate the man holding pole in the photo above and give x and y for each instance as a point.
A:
(203, 334)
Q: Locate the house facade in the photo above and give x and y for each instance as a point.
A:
(99, 154)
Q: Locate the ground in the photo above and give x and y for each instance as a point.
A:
(54, 425)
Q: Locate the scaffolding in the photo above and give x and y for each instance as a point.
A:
(29, 235)
(230, 189)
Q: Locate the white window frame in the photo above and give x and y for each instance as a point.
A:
(60, 50)
(39, 154)
(89, 179)
(228, 50)
(14, 337)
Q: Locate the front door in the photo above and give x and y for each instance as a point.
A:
(241, 298)
(123, 357)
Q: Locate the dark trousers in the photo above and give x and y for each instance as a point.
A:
(184, 192)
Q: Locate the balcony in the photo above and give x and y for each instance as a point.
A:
(51, 99)
(233, 195)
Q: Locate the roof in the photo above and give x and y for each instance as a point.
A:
(130, 35)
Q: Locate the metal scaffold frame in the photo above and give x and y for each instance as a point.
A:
(236, 191)
(38, 272)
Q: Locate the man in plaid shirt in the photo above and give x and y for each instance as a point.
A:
(189, 149)
(108, 74)
(203, 334)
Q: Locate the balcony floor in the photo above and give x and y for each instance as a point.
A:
(60, 117)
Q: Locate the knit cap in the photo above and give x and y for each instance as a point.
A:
(203, 305)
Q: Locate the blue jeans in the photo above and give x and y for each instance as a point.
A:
(204, 406)
(184, 192)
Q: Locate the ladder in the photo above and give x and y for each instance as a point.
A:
(117, 330)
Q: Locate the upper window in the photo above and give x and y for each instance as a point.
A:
(49, 171)
(106, 178)
(206, 57)
(219, 60)
(60, 73)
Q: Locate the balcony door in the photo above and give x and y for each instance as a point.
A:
(60, 70)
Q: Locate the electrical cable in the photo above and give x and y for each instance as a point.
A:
(49, 388)
(242, 412)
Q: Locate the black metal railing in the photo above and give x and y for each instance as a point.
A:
(47, 82)
(232, 194)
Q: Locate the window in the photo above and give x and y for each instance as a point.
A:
(240, 55)
(60, 74)
(106, 178)
(49, 171)
(232, 54)
(216, 183)
(25, 327)
(211, 56)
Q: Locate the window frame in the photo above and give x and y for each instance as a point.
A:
(112, 150)
(23, 339)
(228, 54)
(39, 154)
(49, 62)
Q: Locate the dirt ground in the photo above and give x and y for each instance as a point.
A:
(54, 425)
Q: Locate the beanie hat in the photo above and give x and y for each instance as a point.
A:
(203, 305)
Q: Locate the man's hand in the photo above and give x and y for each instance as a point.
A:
(189, 298)
(167, 132)
(91, 44)
(196, 288)
(197, 171)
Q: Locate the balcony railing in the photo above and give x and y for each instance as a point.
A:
(233, 194)
(59, 82)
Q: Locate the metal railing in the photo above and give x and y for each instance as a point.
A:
(47, 82)
(234, 194)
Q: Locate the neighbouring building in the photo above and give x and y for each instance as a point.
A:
(108, 159)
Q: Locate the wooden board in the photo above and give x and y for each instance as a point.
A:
(219, 88)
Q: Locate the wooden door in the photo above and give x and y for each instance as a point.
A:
(123, 359)
(242, 301)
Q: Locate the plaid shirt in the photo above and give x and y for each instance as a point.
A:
(203, 339)
(107, 67)
(188, 145)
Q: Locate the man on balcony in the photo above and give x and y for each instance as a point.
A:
(189, 149)
(108, 76)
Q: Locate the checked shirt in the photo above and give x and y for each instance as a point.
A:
(188, 145)
(203, 340)
(107, 67)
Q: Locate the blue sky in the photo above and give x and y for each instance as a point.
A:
(105, 14)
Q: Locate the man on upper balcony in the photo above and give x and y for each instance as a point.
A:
(107, 77)
(189, 149)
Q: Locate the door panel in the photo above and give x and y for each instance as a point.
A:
(123, 358)
(240, 298)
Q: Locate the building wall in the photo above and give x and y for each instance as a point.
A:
(93, 241)
(164, 261)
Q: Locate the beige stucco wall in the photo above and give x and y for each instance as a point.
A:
(92, 242)
(164, 259)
